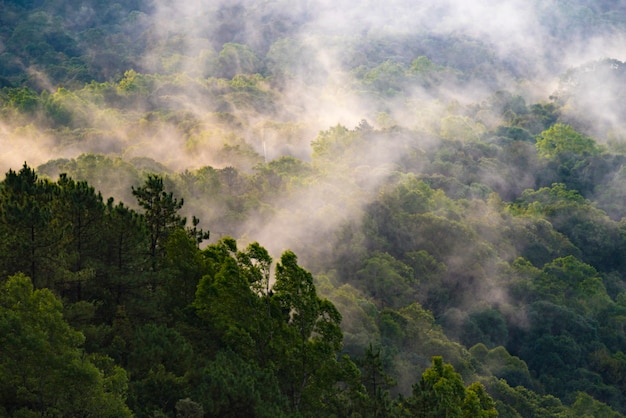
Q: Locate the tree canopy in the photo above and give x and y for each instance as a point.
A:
(414, 211)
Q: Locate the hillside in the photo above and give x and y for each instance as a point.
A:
(312, 208)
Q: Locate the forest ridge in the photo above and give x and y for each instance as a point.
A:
(312, 209)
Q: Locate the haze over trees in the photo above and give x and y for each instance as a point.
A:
(307, 208)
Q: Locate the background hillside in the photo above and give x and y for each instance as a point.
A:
(442, 187)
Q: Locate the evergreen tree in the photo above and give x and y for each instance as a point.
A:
(80, 208)
(32, 233)
(160, 214)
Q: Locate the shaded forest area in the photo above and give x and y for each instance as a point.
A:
(310, 217)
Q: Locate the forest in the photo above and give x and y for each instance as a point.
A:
(309, 208)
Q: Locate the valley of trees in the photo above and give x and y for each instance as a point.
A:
(184, 234)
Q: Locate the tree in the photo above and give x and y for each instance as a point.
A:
(159, 359)
(285, 330)
(82, 209)
(311, 337)
(42, 368)
(377, 383)
(185, 267)
(236, 59)
(125, 237)
(226, 303)
(255, 263)
(231, 386)
(561, 138)
(23, 99)
(32, 232)
(388, 78)
(487, 326)
(500, 363)
(387, 280)
(561, 280)
(478, 403)
(586, 406)
(160, 213)
(441, 393)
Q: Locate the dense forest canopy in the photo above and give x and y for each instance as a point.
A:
(312, 208)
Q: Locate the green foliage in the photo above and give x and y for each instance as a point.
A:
(586, 406)
(159, 359)
(126, 236)
(289, 337)
(588, 228)
(235, 59)
(560, 139)
(21, 99)
(376, 382)
(312, 337)
(439, 241)
(522, 402)
(478, 403)
(440, 392)
(503, 365)
(388, 280)
(333, 142)
(29, 221)
(225, 300)
(42, 354)
(161, 214)
(460, 128)
(185, 266)
(387, 78)
(488, 326)
(234, 387)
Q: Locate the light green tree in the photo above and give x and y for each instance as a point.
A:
(441, 393)
(561, 138)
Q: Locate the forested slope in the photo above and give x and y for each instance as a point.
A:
(316, 209)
